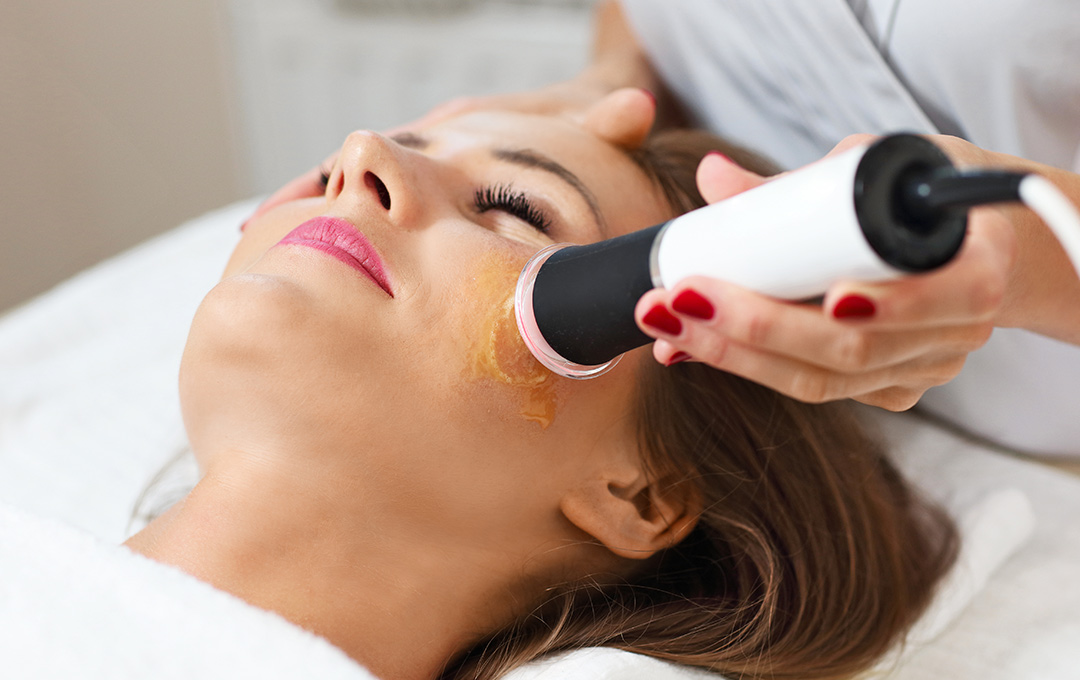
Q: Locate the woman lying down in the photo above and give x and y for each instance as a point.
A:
(386, 465)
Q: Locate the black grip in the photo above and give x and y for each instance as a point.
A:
(584, 297)
(908, 239)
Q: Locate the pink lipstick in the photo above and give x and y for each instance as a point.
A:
(341, 240)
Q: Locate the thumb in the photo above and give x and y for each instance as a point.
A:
(718, 177)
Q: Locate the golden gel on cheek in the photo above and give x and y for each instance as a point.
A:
(498, 353)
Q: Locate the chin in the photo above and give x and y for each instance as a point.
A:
(244, 340)
(248, 314)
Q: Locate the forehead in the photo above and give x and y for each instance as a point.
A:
(628, 199)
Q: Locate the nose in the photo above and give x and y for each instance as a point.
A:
(372, 171)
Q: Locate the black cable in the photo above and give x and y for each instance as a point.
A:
(932, 194)
(952, 189)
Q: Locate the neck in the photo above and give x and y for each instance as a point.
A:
(384, 595)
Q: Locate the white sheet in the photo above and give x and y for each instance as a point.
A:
(88, 412)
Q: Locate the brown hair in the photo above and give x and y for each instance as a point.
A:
(812, 555)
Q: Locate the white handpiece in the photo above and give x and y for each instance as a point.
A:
(790, 239)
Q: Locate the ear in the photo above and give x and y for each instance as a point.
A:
(623, 118)
(634, 517)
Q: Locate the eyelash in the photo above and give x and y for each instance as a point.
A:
(514, 203)
(498, 197)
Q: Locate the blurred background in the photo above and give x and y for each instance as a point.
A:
(120, 119)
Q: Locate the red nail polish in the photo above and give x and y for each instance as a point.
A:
(662, 320)
(854, 307)
(651, 95)
(244, 225)
(678, 358)
(721, 155)
(693, 304)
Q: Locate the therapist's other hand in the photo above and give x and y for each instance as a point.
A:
(569, 99)
(307, 185)
(882, 344)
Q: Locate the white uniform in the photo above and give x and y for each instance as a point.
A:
(791, 78)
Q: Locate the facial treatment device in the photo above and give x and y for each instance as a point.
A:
(873, 213)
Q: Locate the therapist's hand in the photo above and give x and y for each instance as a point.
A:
(569, 99)
(883, 344)
(307, 185)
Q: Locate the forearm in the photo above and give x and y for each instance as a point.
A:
(618, 60)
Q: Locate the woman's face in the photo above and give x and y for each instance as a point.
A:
(405, 373)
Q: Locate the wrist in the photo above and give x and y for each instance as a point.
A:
(1043, 293)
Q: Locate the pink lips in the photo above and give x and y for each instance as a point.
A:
(341, 240)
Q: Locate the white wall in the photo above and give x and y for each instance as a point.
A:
(119, 119)
(311, 71)
(115, 125)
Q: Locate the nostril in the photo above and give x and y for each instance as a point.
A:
(373, 181)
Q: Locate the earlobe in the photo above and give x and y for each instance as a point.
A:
(634, 520)
(623, 118)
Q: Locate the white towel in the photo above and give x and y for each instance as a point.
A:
(73, 606)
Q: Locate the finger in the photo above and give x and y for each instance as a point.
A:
(892, 398)
(623, 117)
(718, 177)
(850, 142)
(710, 314)
(668, 354)
(814, 384)
(931, 373)
(441, 112)
(307, 185)
(968, 290)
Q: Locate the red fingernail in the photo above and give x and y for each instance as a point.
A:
(662, 320)
(854, 307)
(651, 95)
(717, 153)
(693, 304)
(244, 225)
(678, 358)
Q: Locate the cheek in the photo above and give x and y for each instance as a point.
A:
(496, 353)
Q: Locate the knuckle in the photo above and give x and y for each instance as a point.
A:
(945, 370)
(853, 351)
(712, 349)
(987, 298)
(758, 329)
(979, 336)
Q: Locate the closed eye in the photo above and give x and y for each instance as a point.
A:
(512, 202)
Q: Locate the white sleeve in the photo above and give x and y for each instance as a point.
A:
(791, 78)
(1007, 82)
(788, 78)
(1021, 390)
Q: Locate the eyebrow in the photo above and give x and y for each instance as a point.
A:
(526, 158)
(529, 158)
